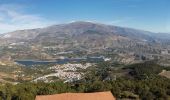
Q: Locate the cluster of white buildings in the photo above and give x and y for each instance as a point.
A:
(70, 67)
(67, 72)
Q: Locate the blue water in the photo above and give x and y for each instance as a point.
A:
(59, 61)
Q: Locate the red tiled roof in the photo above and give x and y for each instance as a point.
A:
(78, 96)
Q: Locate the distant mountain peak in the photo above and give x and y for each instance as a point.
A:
(79, 28)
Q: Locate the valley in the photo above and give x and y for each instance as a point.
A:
(82, 39)
(84, 57)
(77, 43)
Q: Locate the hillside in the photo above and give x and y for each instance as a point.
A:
(85, 38)
(78, 28)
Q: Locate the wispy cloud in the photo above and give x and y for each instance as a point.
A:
(13, 17)
(120, 21)
(117, 21)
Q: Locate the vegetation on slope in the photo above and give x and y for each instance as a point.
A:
(152, 87)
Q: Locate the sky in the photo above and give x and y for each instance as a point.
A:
(149, 15)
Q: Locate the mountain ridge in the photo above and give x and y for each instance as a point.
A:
(78, 26)
(33, 32)
(86, 38)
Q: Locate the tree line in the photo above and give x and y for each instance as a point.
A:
(145, 84)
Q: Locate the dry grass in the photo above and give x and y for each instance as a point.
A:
(165, 73)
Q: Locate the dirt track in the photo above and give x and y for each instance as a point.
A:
(165, 73)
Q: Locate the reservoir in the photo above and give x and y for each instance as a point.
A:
(60, 61)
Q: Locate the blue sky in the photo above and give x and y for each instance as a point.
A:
(151, 15)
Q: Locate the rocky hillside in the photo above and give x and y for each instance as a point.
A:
(76, 29)
(89, 38)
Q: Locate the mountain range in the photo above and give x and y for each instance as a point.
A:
(91, 37)
(84, 28)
